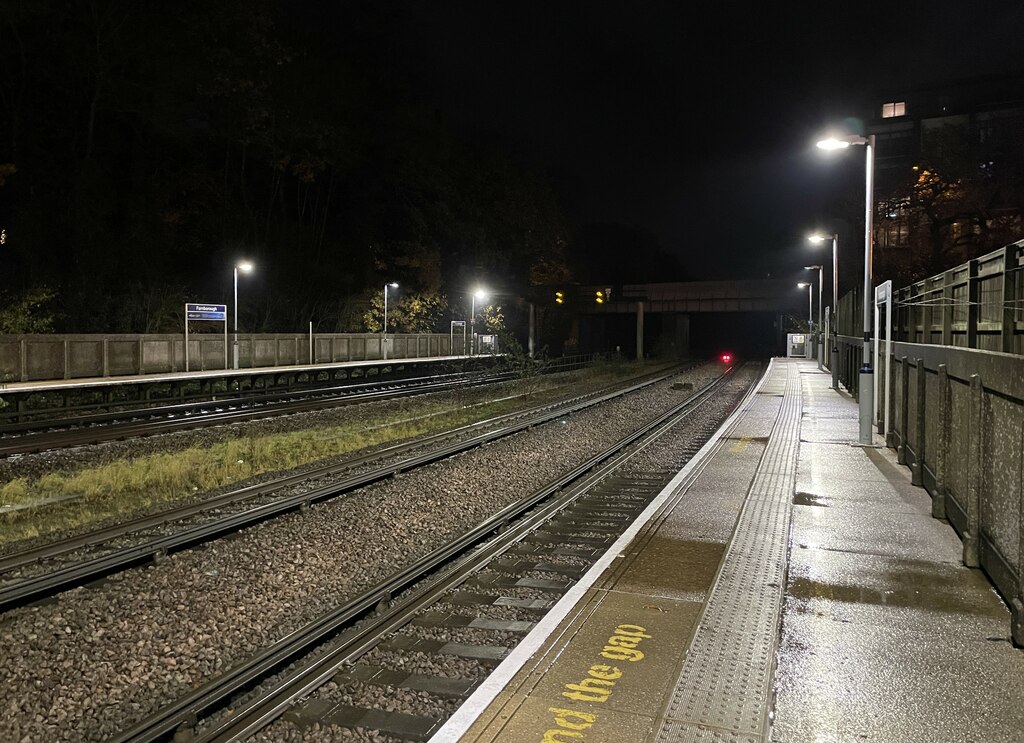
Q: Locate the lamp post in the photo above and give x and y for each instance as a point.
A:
(810, 304)
(481, 295)
(865, 387)
(817, 238)
(244, 267)
(821, 337)
(384, 339)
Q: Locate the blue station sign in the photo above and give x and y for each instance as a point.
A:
(206, 311)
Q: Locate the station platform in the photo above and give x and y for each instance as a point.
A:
(788, 585)
(57, 385)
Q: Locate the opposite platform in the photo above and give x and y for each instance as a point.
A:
(788, 585)
(50, 385)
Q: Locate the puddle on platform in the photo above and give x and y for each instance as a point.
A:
(909, 589)
(808, 499)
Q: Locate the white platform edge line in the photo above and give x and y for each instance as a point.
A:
(51, 385)
(467, 714)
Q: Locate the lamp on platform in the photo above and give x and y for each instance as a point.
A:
(821, 337)
(817, 237)
(865, 387)
(384, 339)
(810, 304)
(481, 295)
(244, 267)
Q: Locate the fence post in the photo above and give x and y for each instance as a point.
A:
(917, 469)
(106, 357)
(942, 455)
(970, 538)
(1017, 602)
(1008, 323)
(901, 450)
(972, 307)
(947, 308)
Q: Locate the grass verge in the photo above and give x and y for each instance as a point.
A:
(59, 502)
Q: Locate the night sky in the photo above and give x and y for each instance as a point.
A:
(697, 125)
(528, 146)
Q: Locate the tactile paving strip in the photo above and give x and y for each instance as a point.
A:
(723, 691)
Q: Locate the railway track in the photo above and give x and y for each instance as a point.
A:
(31, 437)
(457, 610)
(37, 573)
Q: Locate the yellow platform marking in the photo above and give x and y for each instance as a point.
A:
(741, 445)
(597, 686)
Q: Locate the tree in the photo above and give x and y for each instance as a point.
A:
(412, 313)
(29, 312)
(962, 201)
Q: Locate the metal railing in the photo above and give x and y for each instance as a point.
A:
(978, 304)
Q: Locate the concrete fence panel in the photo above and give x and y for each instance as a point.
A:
(959, 424)
(85, 358)
(28, 358)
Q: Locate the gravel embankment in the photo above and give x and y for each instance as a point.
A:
(90, 663)
(362, 416)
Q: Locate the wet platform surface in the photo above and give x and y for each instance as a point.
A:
(789, 585)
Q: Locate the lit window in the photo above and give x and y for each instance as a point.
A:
(897, 108)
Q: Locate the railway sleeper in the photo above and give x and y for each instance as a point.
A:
(399, 724)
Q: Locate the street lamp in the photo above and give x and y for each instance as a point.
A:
(818, 238)
(481, 295)
(244, 267)
(384, 341)
(810, 304)
(865, 385)
(821, 337)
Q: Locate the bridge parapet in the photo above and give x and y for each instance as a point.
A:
(751, 295)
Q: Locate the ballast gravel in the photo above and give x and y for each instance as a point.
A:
(87, 665)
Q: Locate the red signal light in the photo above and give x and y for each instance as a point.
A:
(726, 358)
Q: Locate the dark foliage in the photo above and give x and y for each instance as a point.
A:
(145, 148)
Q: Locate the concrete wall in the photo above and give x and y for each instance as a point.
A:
(28, 358)
(957, 419)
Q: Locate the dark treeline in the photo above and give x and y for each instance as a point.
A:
(147, 147)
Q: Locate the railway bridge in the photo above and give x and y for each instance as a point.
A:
(680, 318)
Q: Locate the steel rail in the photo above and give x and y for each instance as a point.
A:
(68, 433)
(21, 592)
(266, 707)
(15, 560)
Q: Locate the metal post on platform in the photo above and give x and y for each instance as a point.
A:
(532, 341)
(244, 267)
(384, 338)
(819, 336)
(810, 312)
(640, 331)
(833, 339)
(866, 382)
(481, 295)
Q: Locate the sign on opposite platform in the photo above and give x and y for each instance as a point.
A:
(206, 311)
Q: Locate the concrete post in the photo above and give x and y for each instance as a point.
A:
(942, 455)
(975, 464)
(917, 469)
(901, 450)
